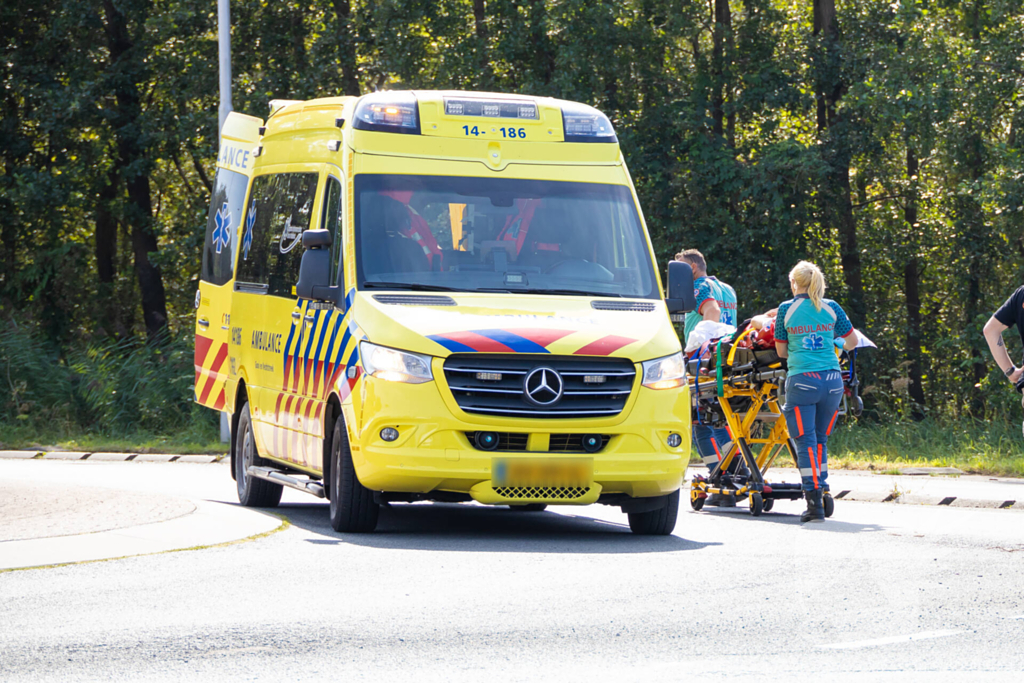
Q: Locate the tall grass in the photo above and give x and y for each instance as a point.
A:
(106, 388)
(985, 447)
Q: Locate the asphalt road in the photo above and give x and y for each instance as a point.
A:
(446, 592)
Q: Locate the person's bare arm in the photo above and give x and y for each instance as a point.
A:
(711, 311)
(782, 348)
(851, 340)
(994, 336)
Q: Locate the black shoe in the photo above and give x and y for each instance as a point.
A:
(718, 500)
(815, 511)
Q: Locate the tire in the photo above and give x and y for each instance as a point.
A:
(252, 492)
(769, 503)
(829, 503)
(530, 507)
(658, 522)
(352, 506)
(756, 504)
(696, 500)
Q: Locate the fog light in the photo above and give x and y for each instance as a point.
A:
(486, 441)
(592, 443)
(675, 441)
(389, 433)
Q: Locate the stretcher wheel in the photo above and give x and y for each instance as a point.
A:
(696, 499)
(756, 504)
(829, 503)
(769, 503)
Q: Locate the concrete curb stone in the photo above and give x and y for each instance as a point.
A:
(19, 455)
(919, 499)
(868, 496)
(65, 455)
(975, 503)
(110, 457)
(153, 457)
(197, 458)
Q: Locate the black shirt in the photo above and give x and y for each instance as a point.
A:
(1012, 312)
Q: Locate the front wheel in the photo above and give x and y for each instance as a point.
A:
(252, 492)
(756, 504)
(352, 506)
(658, 522)
(828, 503)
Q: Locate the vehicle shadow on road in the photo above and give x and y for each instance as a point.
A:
(831, 525)
(473, 528)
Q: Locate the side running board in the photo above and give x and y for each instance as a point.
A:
(307, 485)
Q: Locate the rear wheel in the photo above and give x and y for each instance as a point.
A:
(658, 522)
(252, 492)
(531, 507)
(352, 506)
(769, 503)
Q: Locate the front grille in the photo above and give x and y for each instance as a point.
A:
(507, 441)
(506, 395)
(637, 306)
(413, 300)
(542, 492)
(572, 443)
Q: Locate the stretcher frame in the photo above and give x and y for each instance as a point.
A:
(758, 384)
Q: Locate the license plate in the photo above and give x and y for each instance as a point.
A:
(542, 471)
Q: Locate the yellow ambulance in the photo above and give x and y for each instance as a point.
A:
(440, 296)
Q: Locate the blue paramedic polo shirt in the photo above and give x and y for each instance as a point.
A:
(810, 333)
(710, 289)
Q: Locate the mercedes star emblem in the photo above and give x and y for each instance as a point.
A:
(543, 386)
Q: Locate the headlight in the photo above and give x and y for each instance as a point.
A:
(394, 365)
(665, 373)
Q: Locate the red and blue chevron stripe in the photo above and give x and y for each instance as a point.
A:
(523, 340)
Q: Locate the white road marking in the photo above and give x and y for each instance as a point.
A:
(1019, 616)
(925, 635)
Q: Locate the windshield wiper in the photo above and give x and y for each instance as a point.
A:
(568, 292)
(414, 286)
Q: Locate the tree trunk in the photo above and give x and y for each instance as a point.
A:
(106, 252)
(480, 26)
(543, 55)
(912, 289)
(133, 165)
(837, 210)
(721, 62)
(347, 47)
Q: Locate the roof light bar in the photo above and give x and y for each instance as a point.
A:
(586, 124)
(388, 112)
(496, 109)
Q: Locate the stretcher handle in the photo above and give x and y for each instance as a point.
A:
(736, 342)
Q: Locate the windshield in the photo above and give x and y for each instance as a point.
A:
(494, 234)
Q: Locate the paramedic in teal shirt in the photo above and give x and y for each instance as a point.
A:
(716, 301)
(807, 330)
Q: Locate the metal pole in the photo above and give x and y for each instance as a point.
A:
(224, 49)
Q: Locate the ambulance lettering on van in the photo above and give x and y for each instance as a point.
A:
(469, 317)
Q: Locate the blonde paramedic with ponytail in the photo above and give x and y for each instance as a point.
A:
(808, 329)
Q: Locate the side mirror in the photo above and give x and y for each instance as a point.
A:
(680, 288)
(315, 269)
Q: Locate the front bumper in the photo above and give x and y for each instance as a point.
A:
(433, 453)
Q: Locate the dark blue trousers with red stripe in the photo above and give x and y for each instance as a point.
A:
(812, 406)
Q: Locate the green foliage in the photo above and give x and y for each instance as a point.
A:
(109, 386)
(719, 123)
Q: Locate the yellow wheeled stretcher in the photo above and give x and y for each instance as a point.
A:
(743, 391)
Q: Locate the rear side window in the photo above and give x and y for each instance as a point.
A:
(280, 210)
(221, 245)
